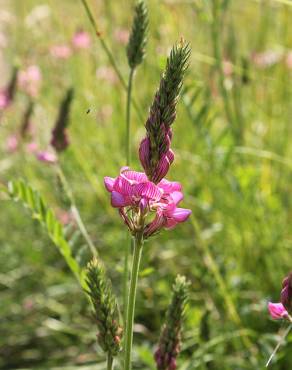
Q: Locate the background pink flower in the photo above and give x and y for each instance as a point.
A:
(81, 40)
(30, 80)
(61, 51)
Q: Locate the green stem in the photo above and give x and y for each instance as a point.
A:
(110, 361)
(128, 118)
(128, 161)
(75, 211)
(281, 341)
(131, 301)
(218, 62)
(109, 53)
(126, 275)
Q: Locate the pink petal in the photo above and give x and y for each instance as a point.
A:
(134, 177)
(122, 185)
(169, 186)
(147, 190)
(177, 196)
(277, 310)
(46, 157)
(109, 183)
(181, 214)
(118, 200)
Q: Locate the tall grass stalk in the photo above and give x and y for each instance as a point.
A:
(216, 32)
(109, 53)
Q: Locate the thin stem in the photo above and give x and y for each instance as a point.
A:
(110, 361)
(218, 62)
(128, 118)
(128, 161)
(281, 341)
(126, 275)
(75, 211)
(109, 53)
(131, 302)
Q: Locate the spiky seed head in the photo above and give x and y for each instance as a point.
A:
(170, 337)
(163, 113)
(138, 36)
(105, 306)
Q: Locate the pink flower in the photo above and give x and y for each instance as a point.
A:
(45, 156)
(164, 162)
(30, 80)
(277, 311)
(132, 191)
(121, 35)
(61, 51)
(81, 40)
(289, 60)
(12, 143)
(267, 58)
(32, 147)
(4, 100)
(107, 74)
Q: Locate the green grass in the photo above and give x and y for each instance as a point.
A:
(237, 247)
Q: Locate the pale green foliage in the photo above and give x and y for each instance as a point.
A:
(22, 192)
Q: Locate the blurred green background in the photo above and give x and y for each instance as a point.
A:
(232, 140)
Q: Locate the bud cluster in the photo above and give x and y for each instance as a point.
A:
(170, 338)
(106, 309)
(155, 153)
(138, 36)
(286, 293)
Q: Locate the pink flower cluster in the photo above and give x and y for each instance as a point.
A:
(155, 205)
(282, 309)
(165, 160)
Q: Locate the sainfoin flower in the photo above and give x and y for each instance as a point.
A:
(277, 311)
(30, 80)
(81, 40)
(283, 309)
(61, 51)
(46, 156)
(142, 203)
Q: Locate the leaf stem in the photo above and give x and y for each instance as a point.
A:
(138, 246)
(75, 211)
(281, 341)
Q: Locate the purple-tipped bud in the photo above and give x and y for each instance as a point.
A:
(170, 338)
(155, 154)
(60, 140)
(286, 293)
(8, 93)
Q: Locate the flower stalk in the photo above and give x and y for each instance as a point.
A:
(135, 54)
(138, 247)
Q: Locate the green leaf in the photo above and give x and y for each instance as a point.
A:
(30, 198)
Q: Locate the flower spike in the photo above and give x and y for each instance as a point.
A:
(105, 307)
(138, 36)
(155, 153)
(170, 338)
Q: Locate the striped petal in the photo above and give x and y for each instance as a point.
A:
(109, 183)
